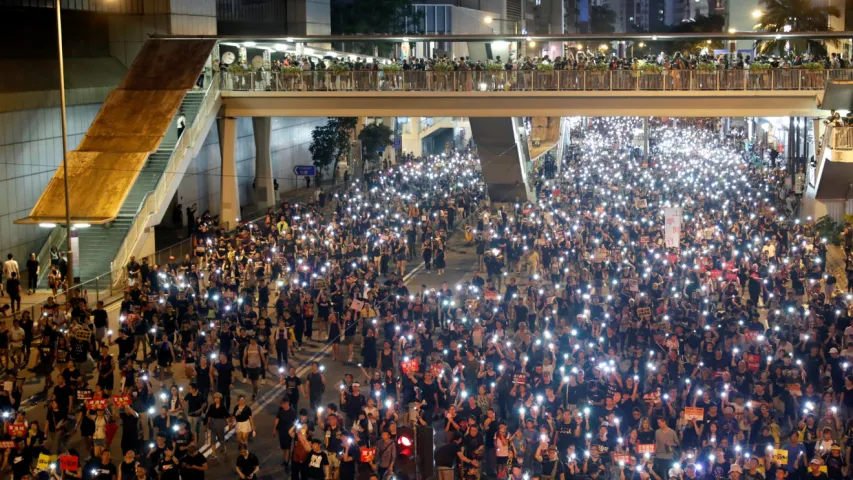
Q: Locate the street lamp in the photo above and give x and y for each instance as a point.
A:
(70, 269)
(757, 13)
(488, 20)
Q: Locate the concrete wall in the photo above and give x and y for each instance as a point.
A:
(289, 147)
(30, 152)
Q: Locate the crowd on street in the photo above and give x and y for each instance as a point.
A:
(646, 317)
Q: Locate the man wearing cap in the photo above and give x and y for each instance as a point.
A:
(814, 471)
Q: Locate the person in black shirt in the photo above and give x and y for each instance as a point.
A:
(247, 463)
(168, 467)
(100, 320)
(284, 419)
(193, 465)
(103, 469)
(19, 460)
(224, 371)
(317, 467)
(448, 454)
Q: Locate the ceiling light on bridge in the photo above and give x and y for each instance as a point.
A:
(488, 20)
(249, 44)
(654, 37)
(532, 43)
(47, 225)
(405, 39)
(280, 47)
(603, 46)
(289, 39)
(732, 30)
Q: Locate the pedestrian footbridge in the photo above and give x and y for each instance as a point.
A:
(128, 167)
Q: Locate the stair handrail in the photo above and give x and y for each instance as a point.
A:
(56, 238)
(155, 197)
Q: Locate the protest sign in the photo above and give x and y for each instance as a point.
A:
(694, 413)
(68, 462)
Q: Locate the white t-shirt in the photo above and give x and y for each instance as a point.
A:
(10, 266)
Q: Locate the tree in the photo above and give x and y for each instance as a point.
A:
(361, 17)
(795, 16)
(323, 146)
(602, 19)
(374, 138)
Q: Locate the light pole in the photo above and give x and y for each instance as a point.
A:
(70, 268)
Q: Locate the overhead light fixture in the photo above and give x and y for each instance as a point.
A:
(405, 39)
(757, 13)
(47, 225)
(249, 44)
(280, 47)
(289, 39)
(488, 20)
(78, 226)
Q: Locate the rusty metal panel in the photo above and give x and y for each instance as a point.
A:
(168, 65)
(98, 184)
(132, 121)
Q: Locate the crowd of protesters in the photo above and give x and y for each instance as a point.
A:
(591, 341)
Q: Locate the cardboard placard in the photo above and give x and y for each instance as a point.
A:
(17, 429)
(731, 277)
(653, 397)
(795, 389)
(84, 394)
(716, 274)
(631, 284)
(99, 404)
(780, 455)
(121, 400)
(321, 284)
(615, 256)
(519, 379)
(599, 255)
(644, 313)
(672, 258)
(644, 448)
(623, 458)
(68, 462)
(410, 366)
(640, 203)
(82, 335)
(753, 362)
(644, 240)
(7, 444)
(694, 413)
(599, 209)
(491, 295)
(357, 305)
(367, 454)
(44, 462)
(751, 335)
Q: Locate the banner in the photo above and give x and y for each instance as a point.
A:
(7, 444)
(68, 462)
(97, 404)
(753, 362)
(44, 462)
(672, 227)
(694, 413)
(17, 429)
(121, 400)
(367, 454)
(646, 448)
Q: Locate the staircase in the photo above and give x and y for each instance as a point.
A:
(99, 244)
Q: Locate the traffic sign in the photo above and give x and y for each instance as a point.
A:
(305, 170)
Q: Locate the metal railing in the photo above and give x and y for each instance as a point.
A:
(840, 138)
(530, 80)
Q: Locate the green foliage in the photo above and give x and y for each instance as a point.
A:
(816, 66)
(651, 68)
(545, 67)
(442, 67)
(602, 19)
(374, 138)
(392, 68)
(759, 67)
(828, 228)
(330, 141)
(800, 16)
(290, 71)
(707, 67)
(598, 67)
(494, 66)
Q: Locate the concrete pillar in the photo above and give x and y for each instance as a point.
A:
(264, 187)
(229, 193)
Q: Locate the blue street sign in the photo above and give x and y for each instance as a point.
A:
(305, 170)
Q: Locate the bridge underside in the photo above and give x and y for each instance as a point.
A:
(524, 104)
